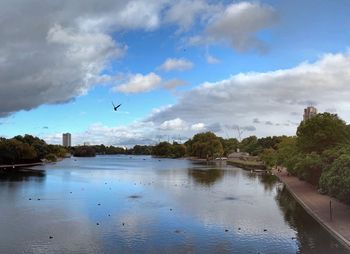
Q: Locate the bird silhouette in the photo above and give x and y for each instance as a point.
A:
(116, 107)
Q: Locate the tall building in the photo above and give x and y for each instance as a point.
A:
(66, 139)
(309, 112)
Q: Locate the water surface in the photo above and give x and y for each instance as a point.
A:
(134, 204)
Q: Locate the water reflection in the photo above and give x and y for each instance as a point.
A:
(22, 175)
(206, 177)
(117, 204)
(308, 232)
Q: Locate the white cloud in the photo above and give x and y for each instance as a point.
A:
(139, 83)
(174, 124)
(172, 64)
(237, 25)
(271, 96)
(184, 12)
(212, 60)
(198, 127)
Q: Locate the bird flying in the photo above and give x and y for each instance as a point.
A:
(116, 107)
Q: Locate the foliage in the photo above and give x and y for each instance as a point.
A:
(84, 151)
(322, 132)
(309, 168)
(142, 150)
(205, 145)
(51, 157)
(229, 145)
(287, 153)
(268, 156)
(15, 151)
(250, 145)
(165, 149)
(335, 180)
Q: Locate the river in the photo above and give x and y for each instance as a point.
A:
(140, 204)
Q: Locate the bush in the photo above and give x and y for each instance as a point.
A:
(335, 180)
(51, 157)
(309, 168)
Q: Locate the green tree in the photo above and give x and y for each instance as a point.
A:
(84, 151)
(269, 157)
(204, 145)
(250, 145)
(335, 180)
(309, 168)
(322, 132)
(163, 149)
(229, 145)
(287, 153)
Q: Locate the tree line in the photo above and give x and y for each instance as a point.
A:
(28, 149)
(318, 154)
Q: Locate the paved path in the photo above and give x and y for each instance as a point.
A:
(318, 206)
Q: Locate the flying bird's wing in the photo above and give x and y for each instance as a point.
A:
(113, 104)
(118, 106)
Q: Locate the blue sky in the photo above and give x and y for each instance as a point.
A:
(61, 73)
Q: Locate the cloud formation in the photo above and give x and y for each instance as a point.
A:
(55, 51)
(176, 64)
(236, 25)
(139, 83)
(271, 96)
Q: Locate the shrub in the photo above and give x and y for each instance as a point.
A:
(335, 180)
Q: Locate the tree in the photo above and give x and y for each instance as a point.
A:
(84, 151)
(204, 145)
(250, 145)
(163, 149)
(335, 180)
(287, 153)
(229, 145)
(322, 132)
(269, 157)
(309, 168)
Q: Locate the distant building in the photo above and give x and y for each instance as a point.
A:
(66, 139)
(86, 143)
(309, 112)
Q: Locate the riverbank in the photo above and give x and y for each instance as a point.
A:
(244, 164)
(318, 206)
(247, 164)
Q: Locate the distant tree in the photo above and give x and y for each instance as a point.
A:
(250, 145)
(178, 150)
(229, 145)
(84, 151)
(15, 151)
(142, 150)
(205, 145)
(322, 132)
(270, 142)
(269, 157)
(163, 149)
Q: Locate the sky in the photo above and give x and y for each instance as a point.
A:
(177, 67)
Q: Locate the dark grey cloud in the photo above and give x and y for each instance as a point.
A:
(268, 123)
(256, 120)
(237, 24)
(249, 128)
(214, 127)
